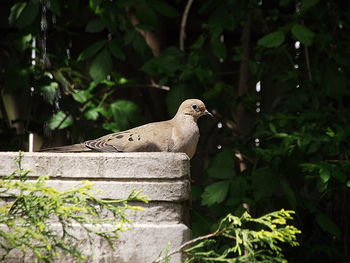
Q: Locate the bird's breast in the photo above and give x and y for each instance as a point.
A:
(185, 138)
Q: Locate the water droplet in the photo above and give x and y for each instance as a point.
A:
(257, 142)
(258, 86)
(297, 45)
(219, 125)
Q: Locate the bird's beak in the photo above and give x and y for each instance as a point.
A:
(208, 113)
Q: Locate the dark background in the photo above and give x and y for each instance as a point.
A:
(105, 66)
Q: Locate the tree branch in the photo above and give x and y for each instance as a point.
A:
(184, 245)
(183, 24)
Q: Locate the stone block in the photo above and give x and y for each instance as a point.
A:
(162, 177)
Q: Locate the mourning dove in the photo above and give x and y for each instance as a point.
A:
(180, 134)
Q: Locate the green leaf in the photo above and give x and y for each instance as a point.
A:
(125, 113)
(81, 95)
(164, 8)
(348, 183)
(325, 175)
(146, 16)
(168, 62)
(239, 186)
(92, 50)
(92, 114)
(101, 66)
(218, 48)
(15, 12)
(306, 4)
(215, 91)
(50, 92)
(330, 132)
(20, 41)
(288, 191)
(215, 193)
(116, 50)
(303, 34)
(273, 39)
(272, 127)
(95, 25)
(130, 36)
(28, 14)
(60, 120)
(222, 166)
(327, 224)
(221, 18)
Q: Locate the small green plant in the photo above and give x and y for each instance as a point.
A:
(243, 239)
(41, 219)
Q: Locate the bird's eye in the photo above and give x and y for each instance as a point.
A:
(194, 106)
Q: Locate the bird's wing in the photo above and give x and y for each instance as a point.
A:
(152, 137)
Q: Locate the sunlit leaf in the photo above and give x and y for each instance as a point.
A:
(81, 95)
(60, 120)
(92, 114)
(50, 92)
(325, 175)
(125, 113)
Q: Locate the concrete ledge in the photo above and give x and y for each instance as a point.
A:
(162, 177)
(101, 165)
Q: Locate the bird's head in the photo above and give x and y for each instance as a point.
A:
(193, 107)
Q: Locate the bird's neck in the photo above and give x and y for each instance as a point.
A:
(185, 118)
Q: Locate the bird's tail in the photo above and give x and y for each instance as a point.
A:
(68, 148)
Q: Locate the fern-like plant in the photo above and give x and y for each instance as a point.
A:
(40, 220)
(243, 239)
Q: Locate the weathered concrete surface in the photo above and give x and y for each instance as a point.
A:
(162, 177)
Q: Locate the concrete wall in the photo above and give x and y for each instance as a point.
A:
(162, 177)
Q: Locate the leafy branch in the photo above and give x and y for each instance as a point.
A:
(238, 239)
(41, 219)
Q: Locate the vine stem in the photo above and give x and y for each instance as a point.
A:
(182, 247)
(183, 24)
